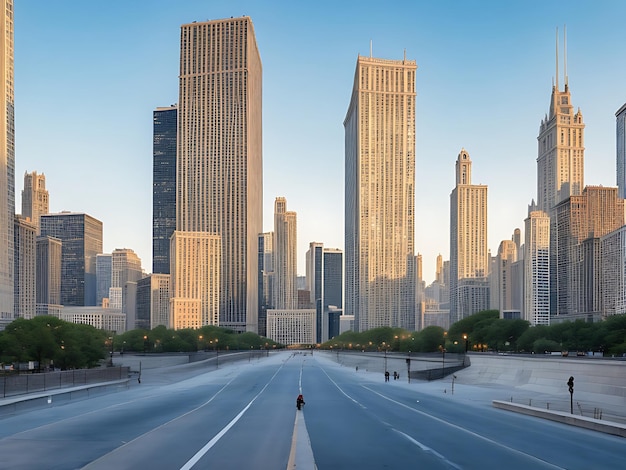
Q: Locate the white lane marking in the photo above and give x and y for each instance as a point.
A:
(341, 390)
(193, 460)
(443, 421)
(425, 448)
(126, 443)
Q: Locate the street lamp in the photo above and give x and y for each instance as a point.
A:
(466, 342)
(145, 343)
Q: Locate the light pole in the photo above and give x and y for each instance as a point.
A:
(466, 342)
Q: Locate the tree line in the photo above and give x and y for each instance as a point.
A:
(486, 331)
(50, 342)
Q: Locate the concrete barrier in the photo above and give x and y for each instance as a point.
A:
(565, 418)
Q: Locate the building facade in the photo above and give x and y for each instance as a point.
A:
(537, 267)
(164, 128)
(219, 174)
(153, 301)
(7, 165)
(195, 279)
(285, 256)
(380, 194)
(35, 200)
(469, 255)
(81, 238)
(104, 266)
(48, 274)
(265, 280)
(291, 326)
(25, 234)
(126, 269)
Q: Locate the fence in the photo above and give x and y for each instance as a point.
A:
(28, 383)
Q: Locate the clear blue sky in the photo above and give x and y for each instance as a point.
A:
(88, 75)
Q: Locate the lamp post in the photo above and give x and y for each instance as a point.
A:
(111, 351)
(145, 343)
(466, 342)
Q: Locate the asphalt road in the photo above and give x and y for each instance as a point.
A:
(242, 416)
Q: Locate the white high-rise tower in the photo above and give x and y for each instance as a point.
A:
(219, 175)
(380, 194)
(7, 164)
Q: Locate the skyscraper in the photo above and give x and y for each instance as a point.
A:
(34, 197)
(104, 262)
(380, 194)
(7, 164)
(125, 268)
(49, 275)
(469, 255)
(285, 256)
(219, 178)
(163, 186)
(81, 238)
(561, 151)
(537, 267)
(620, 141)
(265, 278)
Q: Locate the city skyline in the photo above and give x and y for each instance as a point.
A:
(97, 138)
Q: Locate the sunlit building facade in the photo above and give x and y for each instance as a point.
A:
(537, 267)
(469, 254)
(195, 279)
(7, 164)
(48, 272)
(219, 174)
(620, 135)
(380, 194)
(35, 199)
(291, 326)
(285, 256)
(25, 234)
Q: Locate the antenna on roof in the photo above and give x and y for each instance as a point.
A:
(557, 60)
(565, 53)
(405, 54)
(370, 48)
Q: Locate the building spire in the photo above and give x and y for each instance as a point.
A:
(556, 79)
(565, 54)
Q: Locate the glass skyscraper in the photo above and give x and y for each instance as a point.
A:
(163, 186)
(81, 238)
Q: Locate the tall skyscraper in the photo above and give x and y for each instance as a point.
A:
(34, 197)
(537, 267)
(81, 238)
(164, 122)
(7, 164)
(380, 194)
(153, 301)
(561, 150)
(219, 175)
(620, 141)
(506, 258)
(285, 256)
(469, 255)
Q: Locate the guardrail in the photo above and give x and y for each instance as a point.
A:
(18, 384)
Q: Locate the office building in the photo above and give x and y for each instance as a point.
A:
(99, 317)
(285, 257)
(380, 194)
(164, 125)
(195, 279)
(613, 267)
(81, 238)
(505, 280)
(25, 233)
(581, 221)
(324, 279)
(291, 326)
(537, 267)
(34, 197)
(7, 166)
(104, 265)
(219, 174)
(265, 278)
(469, 255)
(153, 301)
(126, 270)
(620, 135)
(48, 272)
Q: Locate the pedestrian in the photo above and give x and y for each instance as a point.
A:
(386, 376)
(299, 401)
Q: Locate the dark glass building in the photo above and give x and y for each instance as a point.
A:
(163, 186)
(81, 238)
